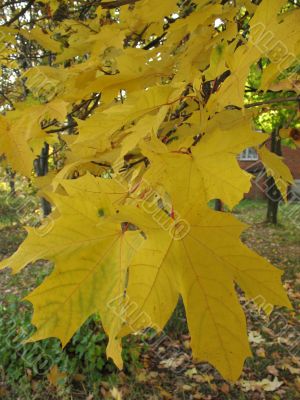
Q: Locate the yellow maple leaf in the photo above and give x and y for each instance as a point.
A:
(90, 264)
(227, 135)
(13, 143)
(276, 168)
(200, 262)
(42, 38)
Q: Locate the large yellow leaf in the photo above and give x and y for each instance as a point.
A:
(42, 38)
(227, 135)
(211, 170)
(13, 143)
(201, 262)
(21, 132)
(91, 262)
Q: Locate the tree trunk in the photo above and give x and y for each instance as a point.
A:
(11, 180)
(273, 193)
(41, 169)
(218, 205)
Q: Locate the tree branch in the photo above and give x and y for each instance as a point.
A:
(10, 3)
(273, 101)
(117, 3)
(63, 128)
(7, 99)
(21, 13)
(126, 167)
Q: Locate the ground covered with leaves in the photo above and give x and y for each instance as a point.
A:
(155, 368)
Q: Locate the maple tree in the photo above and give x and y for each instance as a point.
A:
(144, 103)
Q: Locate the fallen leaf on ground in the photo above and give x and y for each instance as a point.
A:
(55, 376)
(255, 337)
(272, 370)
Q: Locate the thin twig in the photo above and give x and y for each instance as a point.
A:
(126, 167)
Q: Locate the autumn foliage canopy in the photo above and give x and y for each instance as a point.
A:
(144, 104)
